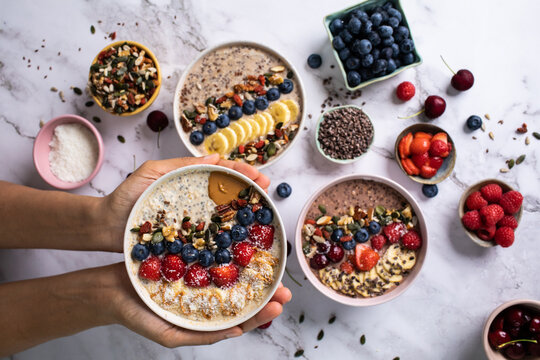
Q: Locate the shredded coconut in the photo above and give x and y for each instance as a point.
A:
(74, 152)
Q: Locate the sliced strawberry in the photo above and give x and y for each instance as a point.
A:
(420, 159)
(394, 231)
(225, 275)
(436, 162)
(421, 134)
(404, 146)
(427, 172)
(409, 167)
(438, 148)
(440, 136)
(242, 253)
(262, 236)
(365, 257)
(197, 276)
(150, 269)
(173, 267)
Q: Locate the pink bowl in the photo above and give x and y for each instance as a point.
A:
(389, 295)
(42, 149)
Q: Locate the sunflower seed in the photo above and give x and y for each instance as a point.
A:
(491, 135)
(504, 170)
(487, 116)
(527, 141)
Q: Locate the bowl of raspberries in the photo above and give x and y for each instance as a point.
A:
(372, 41)
(490, 212)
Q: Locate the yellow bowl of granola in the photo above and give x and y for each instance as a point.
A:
(124, 78)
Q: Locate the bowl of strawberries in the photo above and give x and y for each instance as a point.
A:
(426, 153)
(490, 212)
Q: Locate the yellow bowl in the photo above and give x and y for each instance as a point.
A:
(156, 64)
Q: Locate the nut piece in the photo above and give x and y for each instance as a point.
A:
(324, 220)
(275, 79)
(146, 237)
(491, 135)
(212, 113)
(201, 109)
(503, 170)
(278, 69)
(251, 157)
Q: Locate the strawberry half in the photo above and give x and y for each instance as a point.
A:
(225, 275)
(365, 258)
(427, 172)
(150, 269)
(197, 276)
(420, 159)
(242, 253)
(173, 267)
(262, 236)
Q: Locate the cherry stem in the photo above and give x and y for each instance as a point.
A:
(292, 278)
(411, 116)
(134, 163)
(515, 341)
(159, 132)
(449, 68)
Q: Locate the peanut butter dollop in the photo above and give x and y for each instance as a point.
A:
(223, 188)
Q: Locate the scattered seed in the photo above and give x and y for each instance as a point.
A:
(77, 91)
(474, 137)
(299, 353)
(301, 319)
(396, 358)
(332, 319)
(522, 129)
(322, 208)
(527, 141)
(53, 89)
(500, 122)
(510, 163)
(487, 116)
(121, 139)
(41, 123)
(96, 119)
(61, 94)
(483, 127)
(504, 170)
(491, 135)
(536, 135)
(321, 335)
(92, 29)
(89, 103)
(363, 339)
(520, 159)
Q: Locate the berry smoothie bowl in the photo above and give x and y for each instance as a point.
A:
(205, 247)
(241, 100)
(361, 240)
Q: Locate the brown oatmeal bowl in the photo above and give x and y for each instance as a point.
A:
(151, 55)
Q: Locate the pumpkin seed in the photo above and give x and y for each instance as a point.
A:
(536, 135)
(187, 218)
(299, 353)
(157, 237)
(380, 209)
(135, 229)
(520, 159)
(301, 319)
(328, 228)
(306, 249)
(92, 29)
(320, 335)
(322, 208)
(190, 114)
(332, 319)
(363, 339)
(77, 91)
(89, 103)
(279, 125)
(510, 163)
(271, 149)
(121, 139)
(244, 193)
(290, 74)
(96, 119)
(210, 100)
(335, 219)
(396, 358)
(213, 227)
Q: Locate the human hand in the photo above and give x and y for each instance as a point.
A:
(118, 204)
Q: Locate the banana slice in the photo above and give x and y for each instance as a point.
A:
(293, 108)
(256, 129)
(392, 254)
(407, 259)
(231, 138)
(240, 132)
(270, 121)
(280, 112)
(216, 143)
(386, 275)
(261, 120)
(247, 128)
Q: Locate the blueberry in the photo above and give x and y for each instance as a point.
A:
(361, 236)
(398, 63)
(337, 235)
(346, 36)
(352, 63)
(395, 50)
(238, 232)
(385, 31)
(376, 54)
(140, 252)
(248, 107)
(338, 43)
(223, 256)
(393, 22)
(336, 26)
(353, 78)
(235, 112)
(367, 60)
(245, 216)
(189, 253)
(261, 103)
(209, 128)
(286, 86)
(273, 94)
(402, 32)
(364, 47)
(344, 54)
(196, 137)
(174, 247)
(223, 240)
(379, 66)
(387, 53)
(394, 13)
(406, 46)
(374, 227)
(366, 74)
(157, 248)
(223, 121)
(388, 41)
(374, 38)
(474, 122)
(361, 14)
(391, 66)
(348, 245)
(388, 5)
(367, 27)
(384, 14)
(264, 216)
(354, 25)
(314, 61)
(206, 258)
(430, 190)
(376, 18)
(284, 190)
(407, 58)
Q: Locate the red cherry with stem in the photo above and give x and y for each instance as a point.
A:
(157, 121)
(462, 80)
(434, 107)
(498, 337)
(515, 351)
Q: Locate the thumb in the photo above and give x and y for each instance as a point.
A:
(164, 166)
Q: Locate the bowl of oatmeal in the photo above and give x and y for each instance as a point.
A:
(124, 78)
(205, 247)
(361, 240)
(242, 100)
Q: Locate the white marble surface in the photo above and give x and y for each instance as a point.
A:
(442, 314)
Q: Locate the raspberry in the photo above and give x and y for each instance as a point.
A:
(511, 202)
(471, 220)
(346, 267)
(491, 214)
(486, 232)
(508, 220)
(491, 192)
(504, 236)
(377, 242)
(475, 201)
(394, 232)
(412, 240)
(405, 91)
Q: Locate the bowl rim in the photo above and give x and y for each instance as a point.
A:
(177, 319)
(461, 209)
(362, 302)
(490, 353)
(452, 157)
(52, 124)
(318, 145)
(185, 73)
(363, 4)
(158, 68)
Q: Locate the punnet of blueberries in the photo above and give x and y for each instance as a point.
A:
(371, 42)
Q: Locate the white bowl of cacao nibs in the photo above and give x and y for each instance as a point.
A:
(344, 134)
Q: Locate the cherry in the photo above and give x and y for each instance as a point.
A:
(514, 332)
(498, 323)
(265, 326)
(323, 247)
(515, 351)
(157, 121)
(318, 261)
(462, 80)
(534, 348)
(534, 325)
(435, 106)
(514, 317)
(498, 337)
(336, 253)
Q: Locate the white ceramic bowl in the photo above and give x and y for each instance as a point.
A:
(176, 104)
(389, 295)
(182, 321)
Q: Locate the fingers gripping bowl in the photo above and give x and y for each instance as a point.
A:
(204, 247)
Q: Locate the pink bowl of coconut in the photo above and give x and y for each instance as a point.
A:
(68, 152)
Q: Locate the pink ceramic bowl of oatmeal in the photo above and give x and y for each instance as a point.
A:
(361, 240)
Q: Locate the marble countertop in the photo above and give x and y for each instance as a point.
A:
(441, 315)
